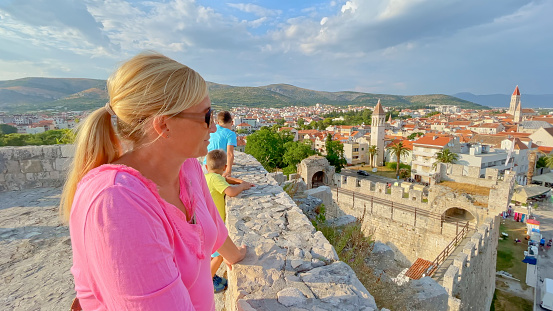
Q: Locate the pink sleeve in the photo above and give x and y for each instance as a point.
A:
(222, 231)
(129, 252)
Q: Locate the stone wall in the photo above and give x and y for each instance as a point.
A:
(411, 235)
(470, 280)
(33, 166)
(289, 265)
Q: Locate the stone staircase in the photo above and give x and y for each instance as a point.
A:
(439, 274)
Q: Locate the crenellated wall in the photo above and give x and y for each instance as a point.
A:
(415, 234)
(398, 217)
(33, 166)
(470, 280)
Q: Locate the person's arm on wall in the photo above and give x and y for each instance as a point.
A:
(230, 161)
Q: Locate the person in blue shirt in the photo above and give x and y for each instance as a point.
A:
(224, 138)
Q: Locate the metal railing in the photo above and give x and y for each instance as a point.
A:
(394, 206)
(450, 248)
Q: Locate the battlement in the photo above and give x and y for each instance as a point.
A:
(406, 194)
(471, 175)
(474, 265)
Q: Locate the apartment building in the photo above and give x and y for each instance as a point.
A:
(424, 154)
(356, 153)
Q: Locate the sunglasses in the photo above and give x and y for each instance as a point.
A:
(208, 116)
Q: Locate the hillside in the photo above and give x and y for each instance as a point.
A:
(39, 94)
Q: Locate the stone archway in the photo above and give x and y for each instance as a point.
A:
(318, 179)
(456, 214)
(316, 171)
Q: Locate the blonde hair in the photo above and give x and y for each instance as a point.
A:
(146, 86)
(216, 159)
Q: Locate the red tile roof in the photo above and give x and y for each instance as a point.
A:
(418, 269)
(516, 92)
(433, 140)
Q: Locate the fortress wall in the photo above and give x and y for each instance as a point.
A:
(476, 264)
(468, 175)
(33, 166)
(399, 230)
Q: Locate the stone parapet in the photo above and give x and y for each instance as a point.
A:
(474, 265)
(289, 265)
(34, 166)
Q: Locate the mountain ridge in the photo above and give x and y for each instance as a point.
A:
(39, 94)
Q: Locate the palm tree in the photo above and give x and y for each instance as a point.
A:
(398, 150)
(372, 150)
(445, 156)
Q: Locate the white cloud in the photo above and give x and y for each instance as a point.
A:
(327, 45)
(254, 9)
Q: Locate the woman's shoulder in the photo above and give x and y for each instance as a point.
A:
(118, 176)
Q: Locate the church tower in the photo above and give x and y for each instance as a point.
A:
(378, 127)
(517, 116)
(515, 101)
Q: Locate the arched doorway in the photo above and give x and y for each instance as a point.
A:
(318, 179)
(456, 214)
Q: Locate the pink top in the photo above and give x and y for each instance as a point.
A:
(134, 251)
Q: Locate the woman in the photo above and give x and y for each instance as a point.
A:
(142, 221)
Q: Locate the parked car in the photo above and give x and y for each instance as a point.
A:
(362, 172)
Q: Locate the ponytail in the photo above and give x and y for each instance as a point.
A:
(96, 144)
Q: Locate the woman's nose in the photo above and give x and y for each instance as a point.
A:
(212, 127)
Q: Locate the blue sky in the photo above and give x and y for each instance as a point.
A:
(406, 47)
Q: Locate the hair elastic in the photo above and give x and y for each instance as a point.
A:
(108, 109)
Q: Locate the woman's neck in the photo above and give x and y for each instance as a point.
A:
(154, 165)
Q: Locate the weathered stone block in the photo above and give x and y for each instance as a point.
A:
(62, 164)
(12, 167)
(67, 151)
(291, 296)
(28, 152)
(430, 295)
(51, 152)
(31, 166)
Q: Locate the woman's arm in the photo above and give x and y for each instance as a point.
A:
(231, 253)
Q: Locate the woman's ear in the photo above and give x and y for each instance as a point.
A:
(159, 125)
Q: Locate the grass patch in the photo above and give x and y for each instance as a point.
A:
(503, 301)
(466, 188)
(381, 171)
(354, 247)
(509, 254)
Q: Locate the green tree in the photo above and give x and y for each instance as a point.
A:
(301, 122)
(433, 113)
(549, 161)
(541, 162)
(398, 150)
(414, 135)
(372, 151)
(7, 129)
(295, 152)
(280, 122)
(445, 156)
(335, 153)
(267, 146)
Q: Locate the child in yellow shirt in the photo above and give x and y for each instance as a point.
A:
(219, 186)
